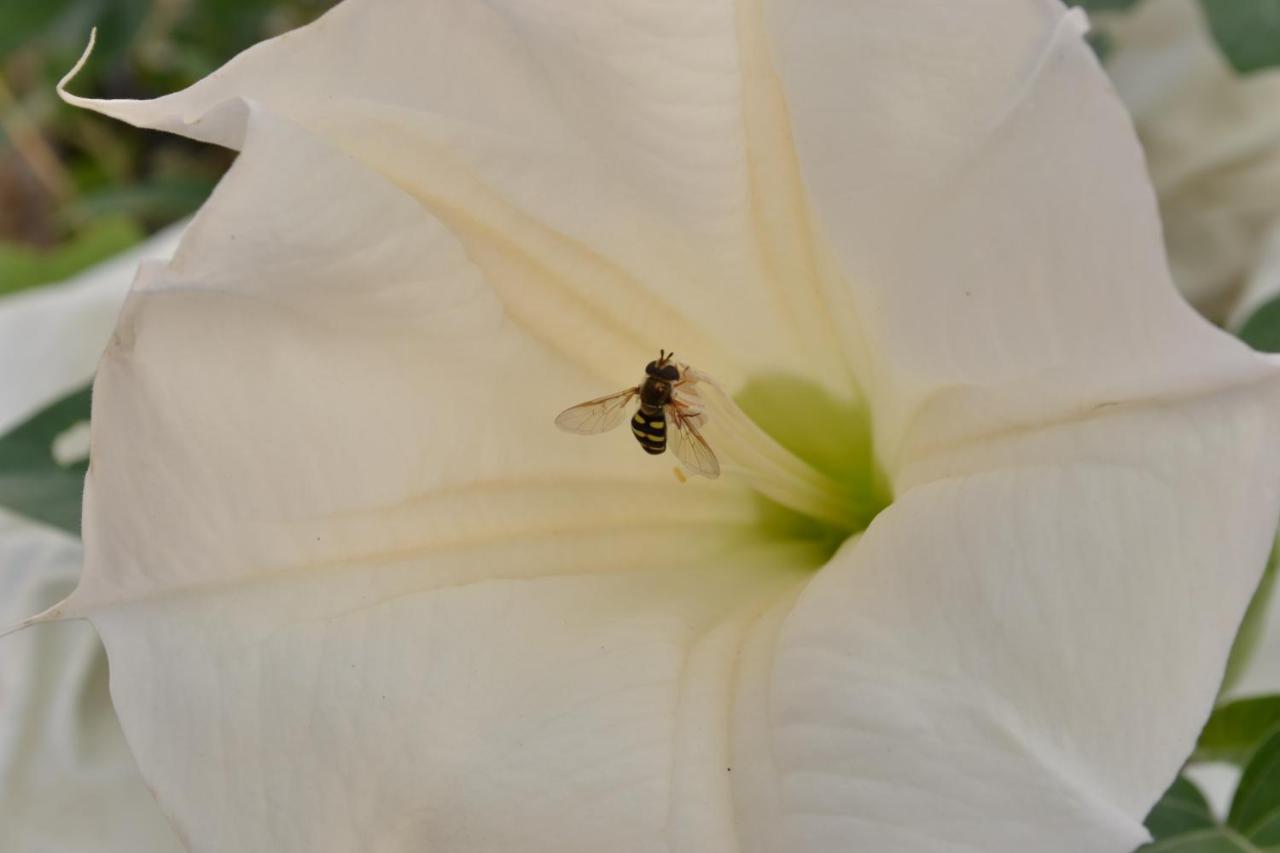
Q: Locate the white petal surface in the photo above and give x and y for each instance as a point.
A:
(621, 171)
(359, 594)
(956, 155)
(1013, 680)
(1000, 240)
(384, 370)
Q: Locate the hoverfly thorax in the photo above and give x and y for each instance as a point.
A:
(655, 392)
(659, 377)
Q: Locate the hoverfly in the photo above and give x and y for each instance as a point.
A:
(661, 402)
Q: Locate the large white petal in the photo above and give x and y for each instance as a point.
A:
(1026, 351)
(1019, 653)
(621, 171)
(983, 190)
(625, 174)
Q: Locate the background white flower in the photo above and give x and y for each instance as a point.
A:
(1212, 139)
(67, 780)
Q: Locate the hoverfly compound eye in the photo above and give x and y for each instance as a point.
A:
(651, 369)
(669, 372)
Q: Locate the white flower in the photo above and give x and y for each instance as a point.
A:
(359, 594)
(1212, 138)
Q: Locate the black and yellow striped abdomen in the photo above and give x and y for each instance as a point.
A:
(650, 429)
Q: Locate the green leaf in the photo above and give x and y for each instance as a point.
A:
(1218, 840)
(22, 267)
(1262, 330)
(1247, 31)
(1238, 728)
(157, 201)
(1101, 43)
(1182, 809)
(1255, 811)
(1253, 625)
(33, 481)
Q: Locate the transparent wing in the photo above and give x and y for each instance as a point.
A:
(689, 445)
(599, 415)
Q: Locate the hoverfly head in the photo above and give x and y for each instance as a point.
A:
(663, 368)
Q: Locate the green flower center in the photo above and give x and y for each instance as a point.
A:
(807, 454)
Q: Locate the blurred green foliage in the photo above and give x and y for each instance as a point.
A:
(1247, 31)
(26, 266)
(76, 188)
(1262, 330)
(34, 480)
(1182, 821)
(1238, 728)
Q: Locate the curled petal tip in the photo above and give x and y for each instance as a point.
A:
(75, 69)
